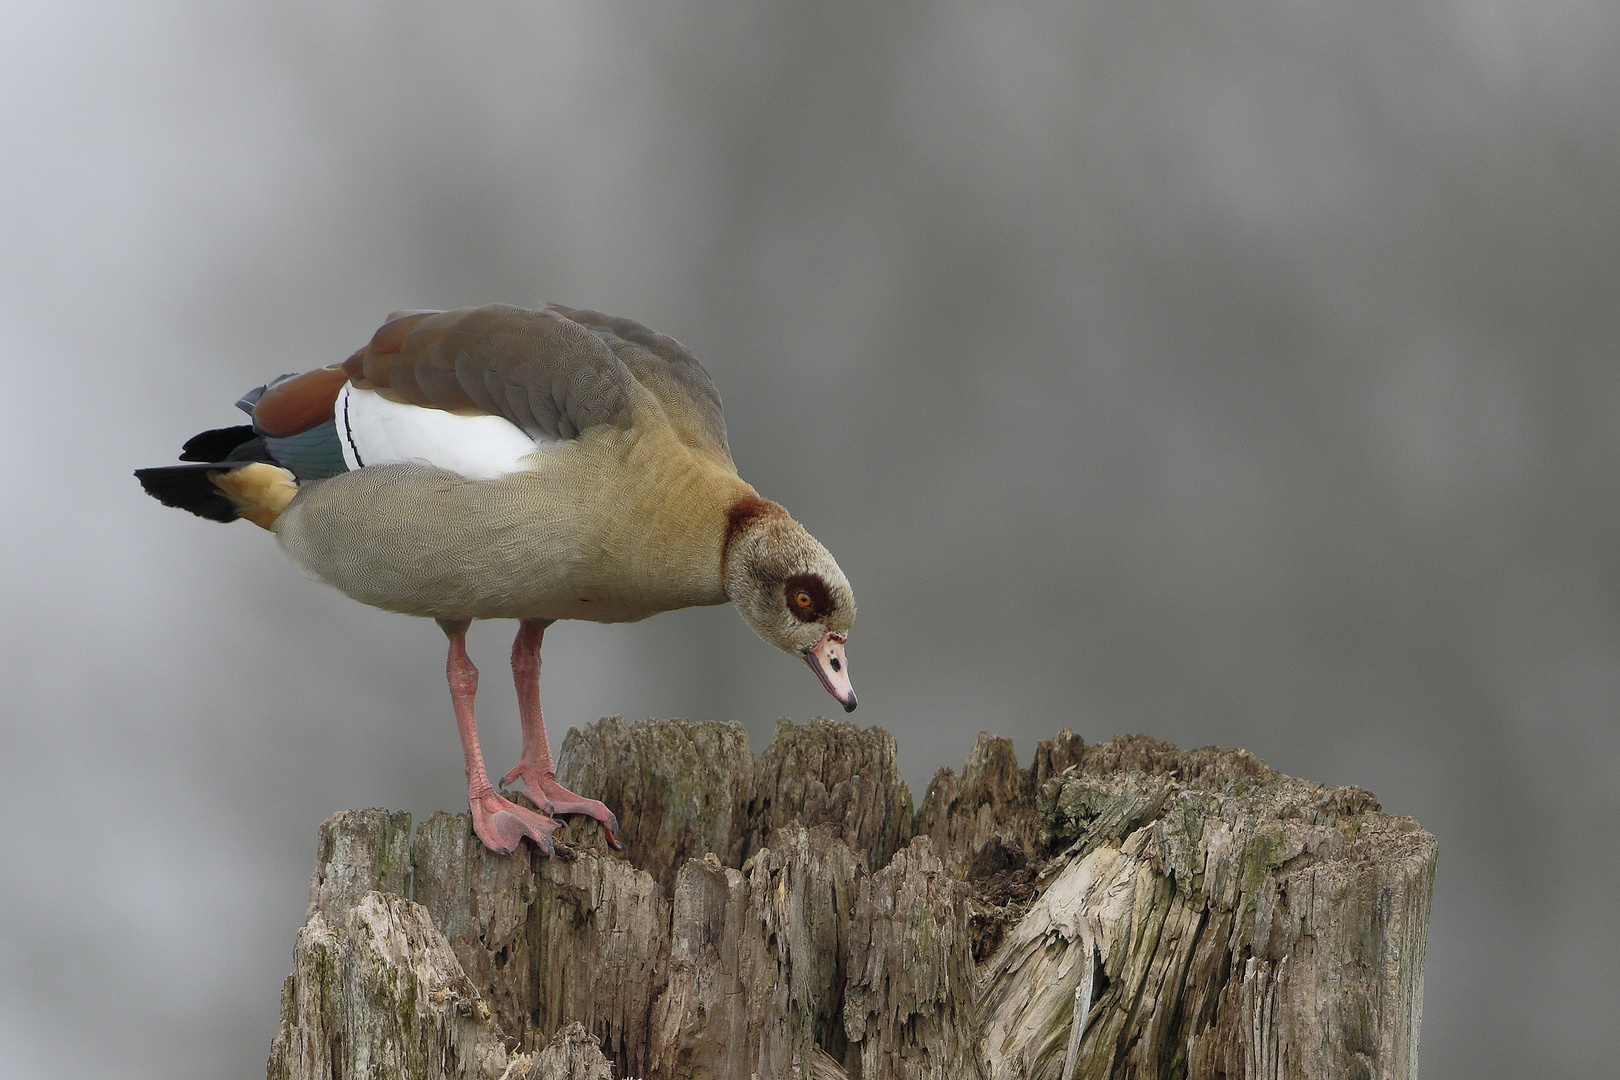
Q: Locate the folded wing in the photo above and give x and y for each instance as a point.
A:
(476, 390)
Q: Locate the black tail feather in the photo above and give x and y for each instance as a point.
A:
(187, 487)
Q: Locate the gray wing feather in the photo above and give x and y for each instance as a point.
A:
(554, 371)
(663, 365)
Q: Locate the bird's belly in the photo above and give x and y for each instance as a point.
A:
(422, 541)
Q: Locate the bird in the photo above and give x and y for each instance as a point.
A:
(537, 464)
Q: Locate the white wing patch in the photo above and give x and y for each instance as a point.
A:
(377, 431)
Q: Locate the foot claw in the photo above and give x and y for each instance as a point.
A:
(610, 833)
(502, 825)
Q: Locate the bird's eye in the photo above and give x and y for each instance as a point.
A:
(805, 596)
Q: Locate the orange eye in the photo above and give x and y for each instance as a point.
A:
(802, 598)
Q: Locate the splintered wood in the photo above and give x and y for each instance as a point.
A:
(1120, 910)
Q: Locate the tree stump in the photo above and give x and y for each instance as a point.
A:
(1120, 910)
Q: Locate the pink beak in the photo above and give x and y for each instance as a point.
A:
(826, 659)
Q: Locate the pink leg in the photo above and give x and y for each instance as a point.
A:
(538, 773)
(500, 824)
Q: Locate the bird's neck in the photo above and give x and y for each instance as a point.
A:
(663, 537)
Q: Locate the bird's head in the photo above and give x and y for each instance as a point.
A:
(790, 591)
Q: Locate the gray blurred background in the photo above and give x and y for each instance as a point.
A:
(1238, 373)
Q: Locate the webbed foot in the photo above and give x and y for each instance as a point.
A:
(502, 825)
(543, 788)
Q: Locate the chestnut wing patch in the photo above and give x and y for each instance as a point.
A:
(295, 404)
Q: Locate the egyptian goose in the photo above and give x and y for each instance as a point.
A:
(503, 463)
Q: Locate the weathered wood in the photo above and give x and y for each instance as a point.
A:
(580, 937)
(572, 1055)
(681, 789)
(834, 775)
(356, 852)
(908, 1003)
(1246, 924)
(684, 789)
(757, 972)
(1128, 909)
(381, 995)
